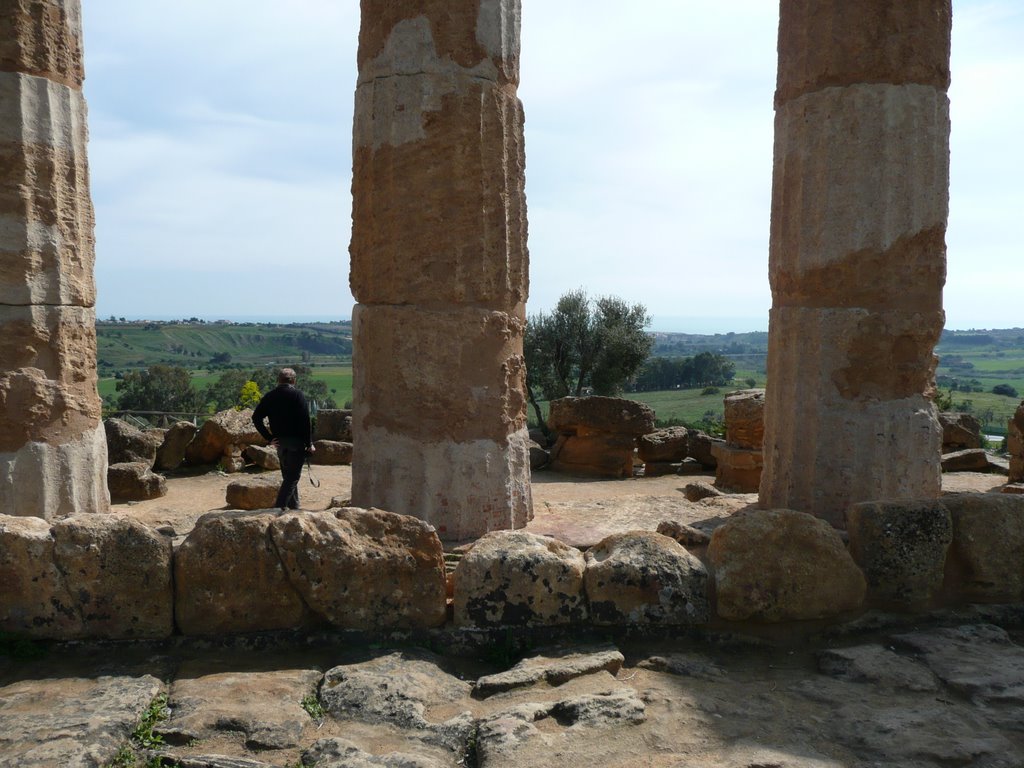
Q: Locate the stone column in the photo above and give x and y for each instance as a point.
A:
(52, 446)
(857, 255)
(439, 266)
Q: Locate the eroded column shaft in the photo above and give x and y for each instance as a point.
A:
(439, 266)
(52, 447)
(857, 255)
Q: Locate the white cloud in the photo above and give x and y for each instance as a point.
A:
(221, 137)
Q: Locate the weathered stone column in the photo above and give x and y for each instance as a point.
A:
(439, 266)
(52, 446)
(857, 256)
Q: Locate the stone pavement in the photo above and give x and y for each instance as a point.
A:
(887, 692)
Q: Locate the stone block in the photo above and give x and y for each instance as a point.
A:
(744, 418)
(364, 569)
(988, 545)
(134, 481)
(597, 454)
(262, 456)
(837, 43)
(738, 469)
(44, 39)
(253, 492)
(333, 424)
(449, 162)
(663, 445)
(1015, 445)
(614, 415)
(967, 460)
(331, 452)
(219, 433)
(228, 578)
(171, 452)
(901, 547)
(515, 578)
(118, 572)
(660, 469)
(642, 577)
(93, 576)
(126, 443)
(780, 565)
(959, 431)
(699, 447)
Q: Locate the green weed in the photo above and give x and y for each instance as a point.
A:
(311, 703)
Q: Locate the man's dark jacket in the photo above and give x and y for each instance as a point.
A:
(285, 407)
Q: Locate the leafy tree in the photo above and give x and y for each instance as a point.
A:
(1004, 389)
(227, 391)
(584, 343)
(250, 395)
(158, 388)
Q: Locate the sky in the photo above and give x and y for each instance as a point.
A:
(220, 157)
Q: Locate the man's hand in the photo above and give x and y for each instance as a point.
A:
(312, 449)
(273, 443)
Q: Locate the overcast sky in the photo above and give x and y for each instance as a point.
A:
(220, 157)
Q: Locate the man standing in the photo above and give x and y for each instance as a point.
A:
(290, 433)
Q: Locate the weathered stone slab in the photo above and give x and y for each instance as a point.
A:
(134, 481)
(978, 661)
(516, 578)
(663, 445)
(615, 415)
(642, 577)
(399, 689)
(967, 460)
(336, 752)
(262, 456)
(878, 666)
(553, 668)
(253, 492)
(74, 722)
(686, 535)
(988, 544)
(901, 547)
(333, 424)
(1015, 445)
(331, 452)
(171, 452)
(228, 578)
(781, 565)
(118, 572)
(126, 443)
(364, 569)
(264, 706)
(698, 490)
(959, 431)
(699, 447)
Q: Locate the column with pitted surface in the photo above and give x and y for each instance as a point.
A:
(439, 266)
(52, 447)
(857, 255)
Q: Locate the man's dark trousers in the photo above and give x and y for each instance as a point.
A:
(291, 453)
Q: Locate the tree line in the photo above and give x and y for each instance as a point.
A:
(706, 369)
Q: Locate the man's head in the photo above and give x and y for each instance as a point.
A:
(286, 376)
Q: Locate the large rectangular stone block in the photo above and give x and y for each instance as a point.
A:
(829, 43)
(438, 374)
(860, 198)
(439, 208)
(43, 38)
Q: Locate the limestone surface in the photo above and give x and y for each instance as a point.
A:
(439, 266)
(331, 452)
(228, 578)
(262, 456)
(901, 547)
(92, 575)
(988, 544)
(253, 492)
(1015, 445)
(959, 431)
(597, 435)
(781, 565)
(52, 461)
(134, 481)
(642, 577)
(171, 452)
(515, 578)
(860, 198)
(554, 668)
(128, 443)
(967, 460)
(364, 569)
(333, 424)
(663, 445)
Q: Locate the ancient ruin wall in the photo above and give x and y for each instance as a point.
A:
(52, 447)
(857, 255)
(439, 266)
